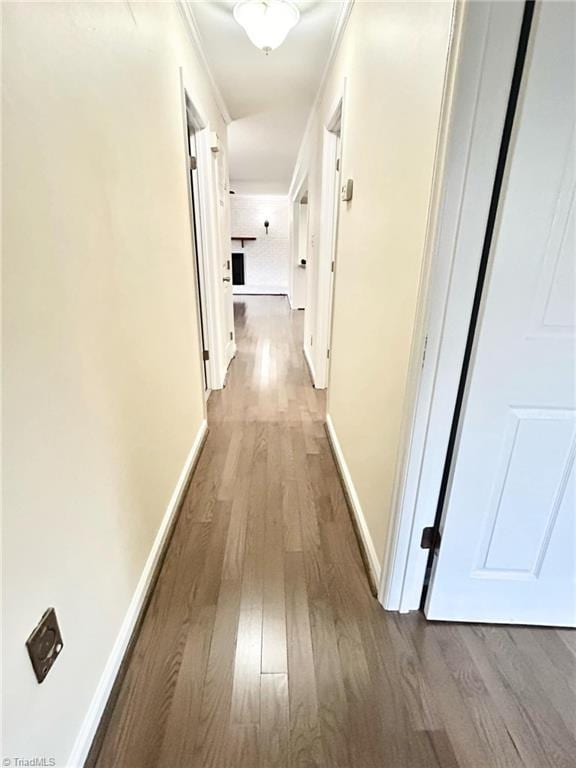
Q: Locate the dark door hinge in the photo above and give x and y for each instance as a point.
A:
(337, 164)
(206, 355)
(430, 538)
(332, 267)
(193, 163)
(231, 336)
(328, 353)
(424, 350)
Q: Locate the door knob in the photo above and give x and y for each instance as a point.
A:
(225, 279)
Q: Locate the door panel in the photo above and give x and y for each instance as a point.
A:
(198, 262)
(508, 543)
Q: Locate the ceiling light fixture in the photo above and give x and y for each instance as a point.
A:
(266, 22)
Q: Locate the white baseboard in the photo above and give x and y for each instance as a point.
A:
(373, 561)
(230, 354)
(310, 365)
(292, 306)
(91, 720)
(281, 290)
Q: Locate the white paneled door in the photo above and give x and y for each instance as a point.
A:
(508, 533)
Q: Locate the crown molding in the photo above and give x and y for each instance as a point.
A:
(339, 29)
(184, 6)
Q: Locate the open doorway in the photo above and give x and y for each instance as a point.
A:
(334, 140)
(485, 498)
(321, 275)
(197, 245)
(299, 250)
(205, 163)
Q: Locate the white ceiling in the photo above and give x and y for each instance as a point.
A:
(268, 97)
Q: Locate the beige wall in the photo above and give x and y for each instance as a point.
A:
(102, 387)
(393, 57)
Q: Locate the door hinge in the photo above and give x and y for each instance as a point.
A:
(430, 538)
(193, 163)
(206, 355)
(332, 266)
(311, 340)
(337, 164)
(328, 353)
(424, 350)
(231, 336)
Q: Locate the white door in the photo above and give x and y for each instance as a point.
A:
(508, 534)
(225, 253)
(336, 203)
(198, 253)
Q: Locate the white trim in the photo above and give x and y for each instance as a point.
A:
(230, 353)
(187, 15)
(190, 111)
(212, 257)
(273, 198)
(362, 525)
(264, 290)
(295, 209)
(310, 365)
(481, 63)
(339, 29)
(328, 234)
(208, 238)
(95, 710)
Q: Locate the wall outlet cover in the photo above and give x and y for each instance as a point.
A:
(45, 644)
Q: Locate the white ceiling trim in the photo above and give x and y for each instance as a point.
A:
(194, 34)
(339, 30)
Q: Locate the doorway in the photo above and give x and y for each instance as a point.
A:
(494, 356)
(238, 277)
(300, 214)
(510, 557)
(197, 247)
(321, 268)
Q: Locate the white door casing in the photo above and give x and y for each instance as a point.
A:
(199, 260)
(224, 258)
(508, 546)
(213, 208)
(334, 245)
(482, 52)
(329, 202)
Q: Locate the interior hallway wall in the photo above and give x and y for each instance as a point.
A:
(393, 56)
(266, 258)
(102, 393)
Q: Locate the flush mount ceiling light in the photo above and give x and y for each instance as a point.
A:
(266, 22)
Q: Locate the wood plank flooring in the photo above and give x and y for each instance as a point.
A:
(263, 647)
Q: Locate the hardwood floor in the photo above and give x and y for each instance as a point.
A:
(263, 647)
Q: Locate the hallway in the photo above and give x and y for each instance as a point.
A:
(262, 644)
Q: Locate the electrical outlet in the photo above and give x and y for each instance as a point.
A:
(44, 644)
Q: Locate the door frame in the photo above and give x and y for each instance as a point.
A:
(298, 238)
(208, 237)
(479, 74)
(332, 135)
(198, 251)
